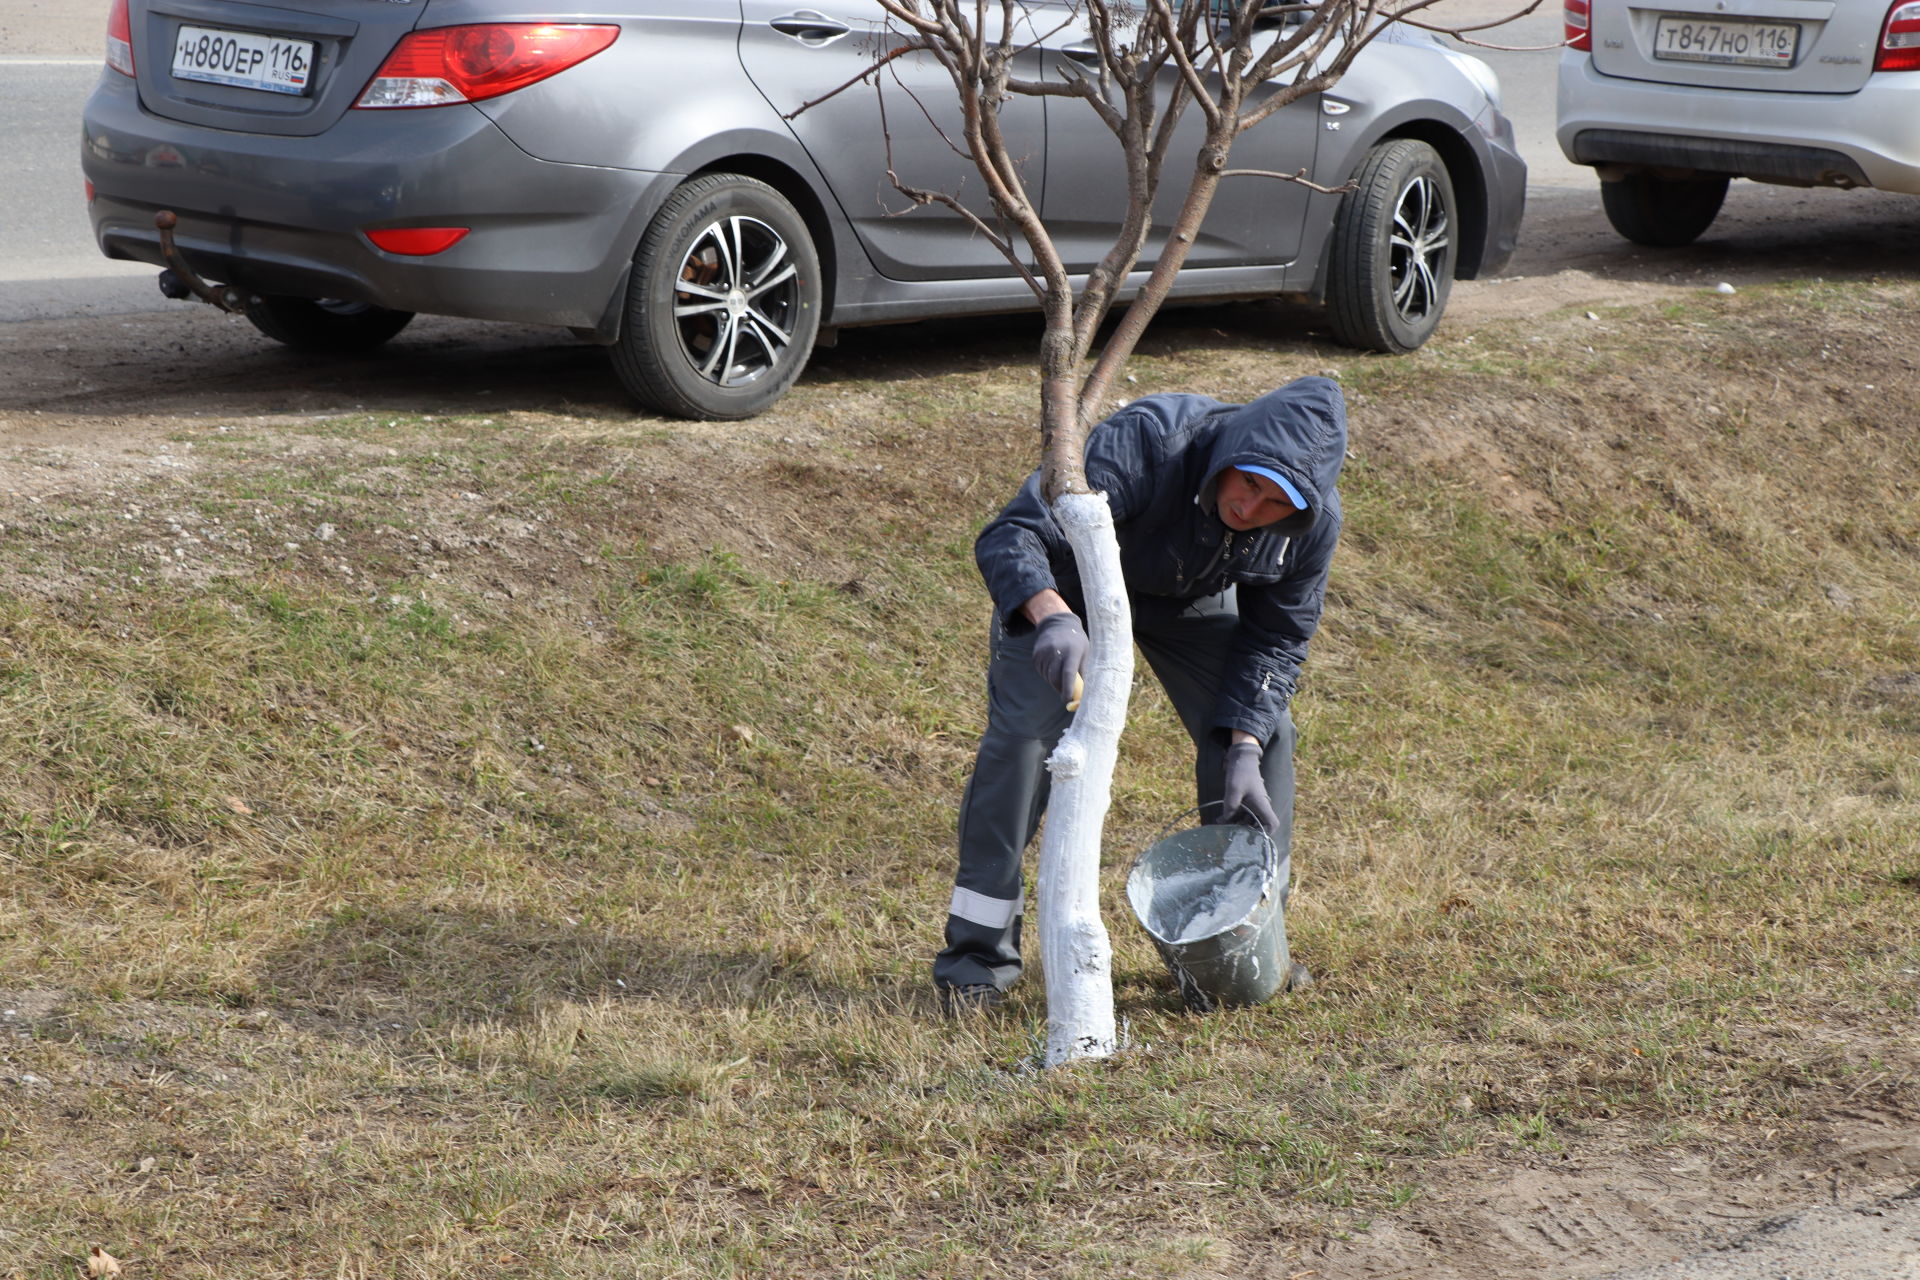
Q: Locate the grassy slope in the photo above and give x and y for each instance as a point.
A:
(561, 906)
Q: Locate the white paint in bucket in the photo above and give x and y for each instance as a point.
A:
(1192, 905)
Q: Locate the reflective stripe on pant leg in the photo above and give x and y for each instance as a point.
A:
(978, 908)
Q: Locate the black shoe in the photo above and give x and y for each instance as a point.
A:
(974, 997)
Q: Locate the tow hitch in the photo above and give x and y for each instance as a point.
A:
(180, 281)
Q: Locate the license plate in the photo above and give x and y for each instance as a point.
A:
(244, 58)
(1745, 44)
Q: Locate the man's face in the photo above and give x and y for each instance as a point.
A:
(1250, 502)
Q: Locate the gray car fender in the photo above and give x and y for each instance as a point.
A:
(1460, 144)
(756, 148)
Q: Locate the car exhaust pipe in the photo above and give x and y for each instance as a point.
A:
(180, 281)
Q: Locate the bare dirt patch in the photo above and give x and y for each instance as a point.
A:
(1608, 1204)
(98, 391)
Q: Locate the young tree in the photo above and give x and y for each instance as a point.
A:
(1148, 64)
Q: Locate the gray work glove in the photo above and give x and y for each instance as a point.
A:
(1246, 791)
(1059, 649)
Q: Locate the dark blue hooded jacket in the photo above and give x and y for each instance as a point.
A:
(1159, 462)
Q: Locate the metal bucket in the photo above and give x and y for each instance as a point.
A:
(1208, 898)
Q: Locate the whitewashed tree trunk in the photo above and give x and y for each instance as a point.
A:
(1074, 948)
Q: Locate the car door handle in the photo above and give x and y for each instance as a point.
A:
(810, 27)
(1082, 52)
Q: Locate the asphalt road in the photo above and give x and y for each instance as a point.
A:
(49, 267)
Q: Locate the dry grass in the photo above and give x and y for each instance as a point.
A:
(535, 874)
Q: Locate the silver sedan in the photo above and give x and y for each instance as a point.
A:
(635, 172)
(1668, 101)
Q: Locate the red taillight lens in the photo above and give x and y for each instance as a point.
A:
(470, 64)
(120, 38)
(1578, 17)
(1900, 40)
(417, 242)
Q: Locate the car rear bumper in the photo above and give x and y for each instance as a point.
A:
(1867, 138)
(1761, 161)
(549, 243)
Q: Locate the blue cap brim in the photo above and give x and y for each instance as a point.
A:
(1294, 495)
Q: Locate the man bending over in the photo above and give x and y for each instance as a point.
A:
(1227, 516)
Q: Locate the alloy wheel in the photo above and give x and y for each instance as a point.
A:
(736, 299)
(1422, 238)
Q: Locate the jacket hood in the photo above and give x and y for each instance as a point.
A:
(1298, 430)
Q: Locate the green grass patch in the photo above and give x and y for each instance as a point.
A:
(442, 897)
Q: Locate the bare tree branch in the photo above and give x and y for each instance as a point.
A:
(868, 74)
(921, 196)
(1488, 44)
(1459, 32)
(1188, 72)
(1297, 177)
(1286, 97)
(933, 122)
(1235, 73)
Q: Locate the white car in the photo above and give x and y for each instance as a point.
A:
(1670, 99)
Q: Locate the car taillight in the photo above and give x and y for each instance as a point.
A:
(120, 38)
(1577, 16)
(417, 242)
(445, 65)
(1900, 40)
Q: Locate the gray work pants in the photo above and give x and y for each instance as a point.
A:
(1187, 643)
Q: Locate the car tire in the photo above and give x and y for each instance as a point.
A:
(724, 302)
(1662, 212)
(1395, 241)
(325, 324)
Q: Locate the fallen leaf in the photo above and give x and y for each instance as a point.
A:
(102, 1263)
(239, 806)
